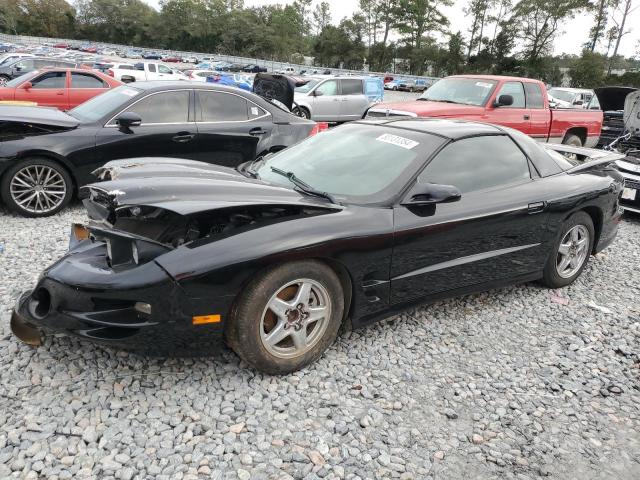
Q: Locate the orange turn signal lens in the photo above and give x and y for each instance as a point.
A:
(80, 232)
(202, 319)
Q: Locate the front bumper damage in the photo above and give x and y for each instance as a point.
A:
(136, 307)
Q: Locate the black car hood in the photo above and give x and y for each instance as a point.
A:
(277, 87)
(38, 115)
(186, 187)
(612, 98)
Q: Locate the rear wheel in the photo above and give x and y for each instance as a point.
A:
(571, 251)
(287, 317)
(572, 139)
(36, 187)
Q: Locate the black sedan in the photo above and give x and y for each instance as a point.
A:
(46, 155)
(357, 223)
(253, 69)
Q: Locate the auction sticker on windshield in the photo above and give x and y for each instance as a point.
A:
(398, 141)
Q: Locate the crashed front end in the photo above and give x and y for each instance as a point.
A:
(109, 289)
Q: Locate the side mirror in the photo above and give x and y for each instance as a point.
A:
(129, 119)
(578, 102)
(503, 101)
(431, 194)
(317, 93)
(27, 85)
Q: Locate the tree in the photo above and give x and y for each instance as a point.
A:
(322, 16)
(48, 18)
(454, 59)
(10, 15)
(478, 10)
(588, 70)
(541, 20)
(624, 9)
(601, 16)
(303, 7)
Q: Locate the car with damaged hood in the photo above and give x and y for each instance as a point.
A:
(46, 155)
(352, 225)
(621, 107)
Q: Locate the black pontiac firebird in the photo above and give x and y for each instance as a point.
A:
(359, 222)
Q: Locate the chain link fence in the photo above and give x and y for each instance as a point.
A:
(270, 65)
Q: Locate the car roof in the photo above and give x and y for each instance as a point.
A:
(452, 129)
(160, 85)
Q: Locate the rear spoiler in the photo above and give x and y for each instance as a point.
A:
(588, 158)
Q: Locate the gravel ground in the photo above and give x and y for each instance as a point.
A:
(515, 383)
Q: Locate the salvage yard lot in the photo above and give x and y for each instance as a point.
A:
(507, 384)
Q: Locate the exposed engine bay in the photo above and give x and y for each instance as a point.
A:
(173, 230)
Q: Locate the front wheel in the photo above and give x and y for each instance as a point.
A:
(3, 80)
(301, 112)
(286, 318)
(571, 251)
(36, 187)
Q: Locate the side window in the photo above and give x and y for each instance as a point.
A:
(166, 107)
(351, 86)
(86, 80)
(25, 65)
(534, 95)
(461, 164)
(50, 80)
(152, 67)
(221, 107)
(330, 87)
(516, 91)
(163, 69)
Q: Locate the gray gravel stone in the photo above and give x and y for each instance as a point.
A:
(378, 404)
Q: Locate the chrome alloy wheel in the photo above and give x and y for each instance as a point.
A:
(295, 318)
(573, 251)
(3, 81)
(38, 188)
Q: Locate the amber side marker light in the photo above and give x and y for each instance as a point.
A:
(79, 231)
(202, 319)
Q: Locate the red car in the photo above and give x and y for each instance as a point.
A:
(63, 88)
(172, 59)
(519, 103)
(61, 45)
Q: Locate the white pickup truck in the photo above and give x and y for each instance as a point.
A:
(143, 71)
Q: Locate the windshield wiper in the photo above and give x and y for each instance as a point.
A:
(302, 186)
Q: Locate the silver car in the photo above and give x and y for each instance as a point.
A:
(332, 99)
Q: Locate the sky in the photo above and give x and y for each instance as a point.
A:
(570, 41)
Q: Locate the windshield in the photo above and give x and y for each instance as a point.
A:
(307, 86)
(357, 163)
(561, 95)
(96, 108)
(467, 91)
(22, 78)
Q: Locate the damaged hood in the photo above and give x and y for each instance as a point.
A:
(37, 115)
(277, 87)
(612, 98)
(632, 112)
(185, 187)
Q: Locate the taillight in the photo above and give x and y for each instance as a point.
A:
(110, 73)
(319, 127)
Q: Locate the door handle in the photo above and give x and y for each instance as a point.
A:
(59, 93)
(526, 117)
(537, 207)
(183, 137)
(257, 131)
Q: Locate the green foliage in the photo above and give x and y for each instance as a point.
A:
(588, 70)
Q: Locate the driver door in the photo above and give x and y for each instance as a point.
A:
(49, 89)
(494, 232)
(516, 115)
(325, 101)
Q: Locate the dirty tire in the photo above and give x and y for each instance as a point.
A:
(551, 278)
(301, 112)
(60, 172)
(243, 331)
(573, 140)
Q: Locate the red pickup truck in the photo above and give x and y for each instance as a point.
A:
(519, 103)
